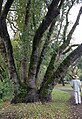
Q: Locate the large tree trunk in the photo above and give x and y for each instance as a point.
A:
(47, 86)
(52, 13)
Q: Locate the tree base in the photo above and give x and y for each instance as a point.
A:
(32, 96)
(46, 99)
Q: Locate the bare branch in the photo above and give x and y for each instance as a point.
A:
(70, 48)
(75, 24)
(67, 23)
(60, 4)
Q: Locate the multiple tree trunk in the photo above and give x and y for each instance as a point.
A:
(51, 77)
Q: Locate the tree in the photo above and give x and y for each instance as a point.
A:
(32, 35)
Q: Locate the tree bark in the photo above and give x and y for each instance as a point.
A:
(24, 64)
(3, 51)
(24, 70)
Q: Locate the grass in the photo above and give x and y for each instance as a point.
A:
(57, 109)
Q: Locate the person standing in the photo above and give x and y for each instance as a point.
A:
(76, 85)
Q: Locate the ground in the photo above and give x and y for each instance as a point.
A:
(76, 110)
(9, 112)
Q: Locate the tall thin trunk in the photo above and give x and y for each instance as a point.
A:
(9, 52)
(24, 64)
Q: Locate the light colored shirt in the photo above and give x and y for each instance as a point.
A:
(76, 84)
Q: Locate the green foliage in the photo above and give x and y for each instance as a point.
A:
(23, 91)
(16, 53)
(6, 90)
(20, 7)
(38, 12)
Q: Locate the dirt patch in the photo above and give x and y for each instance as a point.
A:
(8, 112)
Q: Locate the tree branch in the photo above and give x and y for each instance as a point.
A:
(6, 9)
(1, 2)
(75, 24)
(70, 48)
(27, 12)
(67, 23)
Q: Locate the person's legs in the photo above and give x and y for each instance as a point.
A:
(79, 98)
(76, 97)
